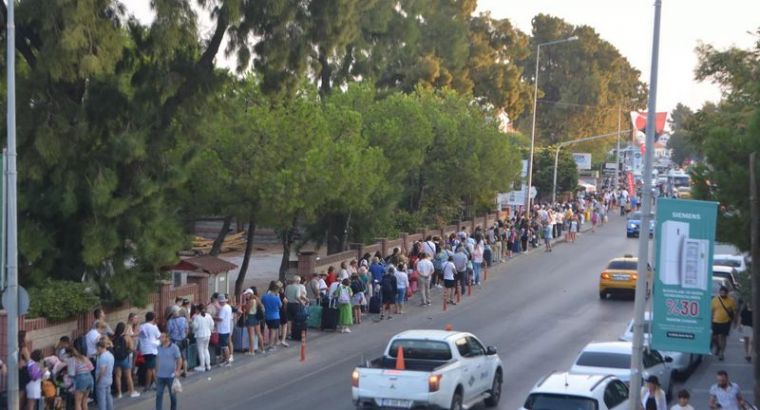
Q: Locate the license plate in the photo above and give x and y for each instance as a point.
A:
(404, 404)
(621, 277)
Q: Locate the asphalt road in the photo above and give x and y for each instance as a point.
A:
(538, 309)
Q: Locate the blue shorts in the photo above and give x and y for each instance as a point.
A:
(83, 382)
(124, 364)
(224, 339)
(400, 295)
(251, 321)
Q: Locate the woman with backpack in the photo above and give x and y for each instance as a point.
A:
(122, 354)
(80, 369)
(358, 298)
(343, 295)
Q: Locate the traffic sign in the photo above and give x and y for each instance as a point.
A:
(23, 300)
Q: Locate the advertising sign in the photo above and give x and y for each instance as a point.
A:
(524, 170)
(582, 160)
(515, 198)
(685, 236)
(610, 165)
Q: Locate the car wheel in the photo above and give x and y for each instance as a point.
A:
(602, 295)
(669, 392)
(493, 400)
(456, 401)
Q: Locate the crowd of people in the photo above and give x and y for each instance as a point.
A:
(108, 363)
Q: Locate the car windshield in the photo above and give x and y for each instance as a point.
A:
(623, 265)
(727, 262)
(421, 349)
(716, 284)
(604, 359)
(545, 401)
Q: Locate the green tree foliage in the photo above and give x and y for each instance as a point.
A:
(543, 173)
(581, 85)
(725, 134)
(680, 141)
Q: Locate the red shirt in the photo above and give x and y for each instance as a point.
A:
(331, 277)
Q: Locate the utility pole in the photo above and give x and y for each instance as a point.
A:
(646, 209)
(755, 267)
(12, 289)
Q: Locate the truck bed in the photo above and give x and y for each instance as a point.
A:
(420, 365)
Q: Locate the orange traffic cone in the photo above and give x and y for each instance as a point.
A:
(448, 327)
(400, 365)
(303, 345)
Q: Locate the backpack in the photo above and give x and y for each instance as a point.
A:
(81, 344)
(387, 284)
(357, 286)
(23, 376)
(120, 348)
(344, 296)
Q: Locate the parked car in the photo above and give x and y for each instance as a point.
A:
(728, 273)
(442, 369)
(683, 363)
(568, 391)
(737, 262)
(614, 358)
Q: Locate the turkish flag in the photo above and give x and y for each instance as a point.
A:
(639, 121)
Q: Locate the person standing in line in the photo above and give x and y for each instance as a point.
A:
(80, 368)
(460, 261)
(449, 280)
(358, 298)
(652, 395)
(104, 376)
(388, 288)
(251, 305)
(402, 284)
(272, 304)
(725, 394)
(477, 259)
(33, 388)
(168, 365)
(343, 295)
(745, 328)
(178, 330)
(683, 401)
(724, 315)
(224, 328)
(426, 269)
(122, 353)
(203, 325)
(295, 294)
(149, 341)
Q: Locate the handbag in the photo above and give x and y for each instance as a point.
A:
(139, 359)
(214, 339)
(241, 320)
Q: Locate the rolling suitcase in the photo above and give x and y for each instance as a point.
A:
(192, 356)
(240, 339)
(330, 316)
(375, 304)
(315, 317)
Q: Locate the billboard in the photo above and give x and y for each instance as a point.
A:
(582, 160)
(685, 237)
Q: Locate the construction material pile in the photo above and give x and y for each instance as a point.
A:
(232, 243)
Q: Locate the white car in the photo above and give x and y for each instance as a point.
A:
(737, 262)
(568, 391)
(683, 363)
(615, 358)
(727, 272)
(442, 369)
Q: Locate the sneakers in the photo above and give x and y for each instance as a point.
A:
(118, 396)
(284, 343)
(199, 369)
(347, 330)
(231, 359)
(134, 394)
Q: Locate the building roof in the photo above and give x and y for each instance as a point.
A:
(206, 263)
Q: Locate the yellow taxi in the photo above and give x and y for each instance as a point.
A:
(620, 276)
(684, 192)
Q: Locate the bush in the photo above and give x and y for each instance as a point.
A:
(60, 299)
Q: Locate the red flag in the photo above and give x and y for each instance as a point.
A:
(639, 121)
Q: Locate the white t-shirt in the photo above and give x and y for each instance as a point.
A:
(449, 270)
(149, 338)
(425, 267)
(402, 279)
(680, 407)
(91, 339)
(203, 325)
(224, 326)
(429, 248)
(333, 288)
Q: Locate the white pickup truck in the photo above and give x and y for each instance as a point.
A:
(442, 370)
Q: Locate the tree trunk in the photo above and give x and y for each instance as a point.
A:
(246, 257)
(217, 246)
(287, 238)
(325, 73)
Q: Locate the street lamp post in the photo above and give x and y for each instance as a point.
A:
(533, 127)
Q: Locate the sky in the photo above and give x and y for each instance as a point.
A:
(628, 26)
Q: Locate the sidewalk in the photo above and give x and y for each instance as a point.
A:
(242, 362)
(739, 371)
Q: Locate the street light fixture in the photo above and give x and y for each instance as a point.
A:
(533, 127)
